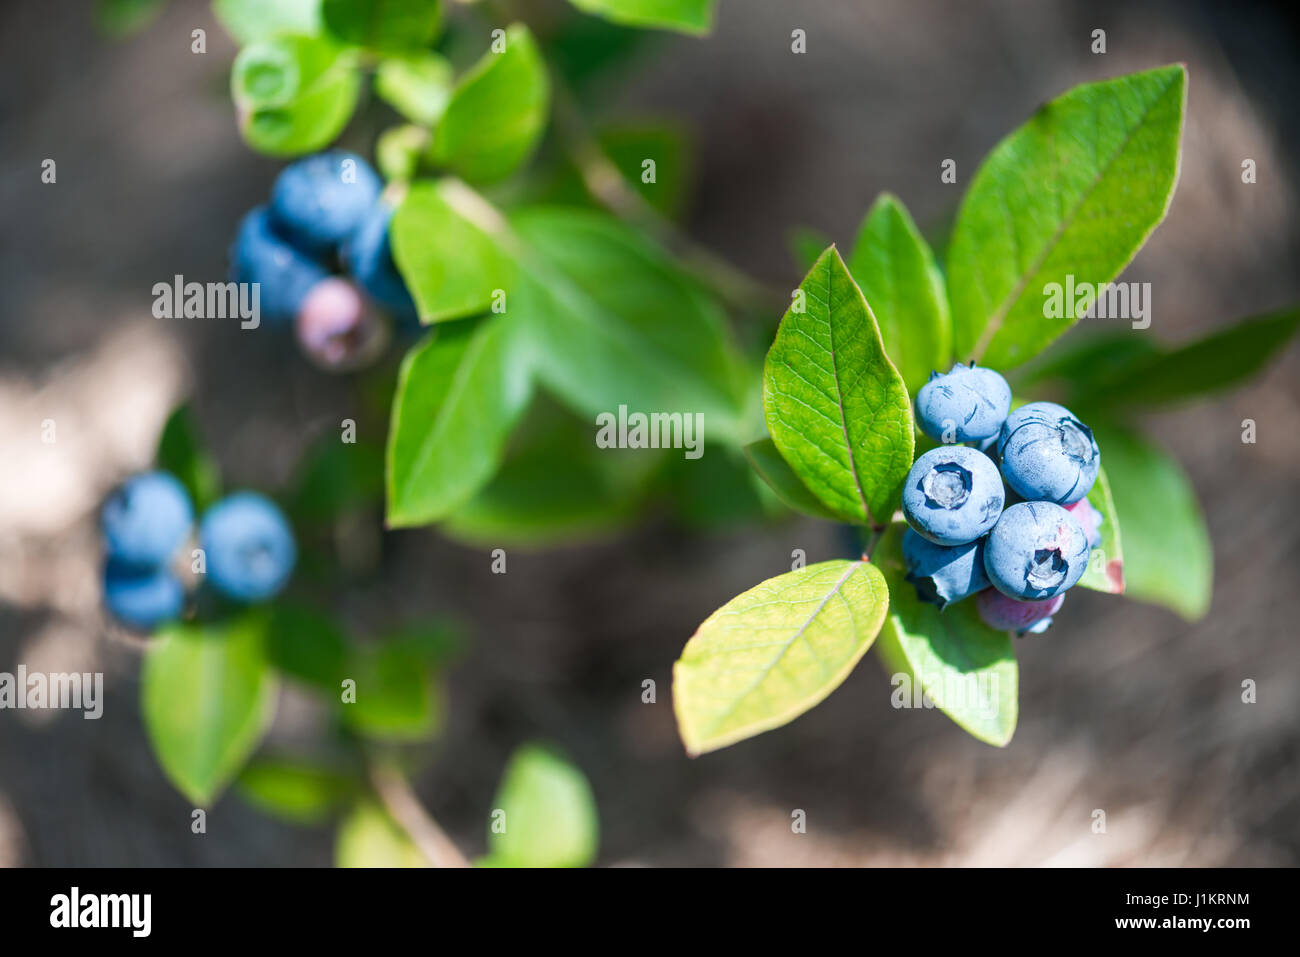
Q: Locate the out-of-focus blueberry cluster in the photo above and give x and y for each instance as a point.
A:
(248, 549)
(1018, 548)
(327, 216)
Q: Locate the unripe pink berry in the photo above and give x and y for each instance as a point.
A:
(336, 328)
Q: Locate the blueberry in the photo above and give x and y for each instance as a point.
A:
(1089, 520)
(336, 329)
(944, 574)
(952, 495)
(142, 598)
(1047, 454)
(319, 200)
(1036, 550)
(284, 274)
(368, 256)
(966, 405)
(146, 519)
(249, 547)
(1011, 614)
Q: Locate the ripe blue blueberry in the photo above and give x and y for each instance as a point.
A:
(142, 597)
(283, 273)
(966, 405)
(319, 200)
(368, 256)
(1011, 614)
(944, 574)
(336, 328)
(146, 519)
(1047, 454)
(249, 547)
(1036, 550)
(952, 495)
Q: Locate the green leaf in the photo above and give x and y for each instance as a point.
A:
(685, 16)
(182, 453)
(395, 694)
(368, 837)
(1075, 191)
(611, 319)
(776, 472)
(619, 323)
(459, 393)
(294, 790)
(207, 697)
(1216, 362)
(451, 263)
(497, 112)
(249, 20)
(895, 269)
(549, 815)
(417, 86)
(775, 651)
(293, 94)
(309, 646)
(1167, 554)
(1105, 571)
(836, 407)
(965, 667)
(385, 27)
(556, 486)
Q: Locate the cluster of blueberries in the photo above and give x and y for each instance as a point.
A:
(1018, 560)
(248, 549)
(327, 215)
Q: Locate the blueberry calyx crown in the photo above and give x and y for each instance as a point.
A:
(947, 486)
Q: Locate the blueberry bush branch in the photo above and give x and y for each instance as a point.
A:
(401, 802)
(1069, 197)
(527, 307)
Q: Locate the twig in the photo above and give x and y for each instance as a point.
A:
(400, 801)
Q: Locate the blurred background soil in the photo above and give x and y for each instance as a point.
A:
(1124, 707)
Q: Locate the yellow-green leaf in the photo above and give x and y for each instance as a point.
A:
(207, 697)
(770, 654)
(544, 814)
(368, 837)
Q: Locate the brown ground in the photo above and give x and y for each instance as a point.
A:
(1124, 707)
